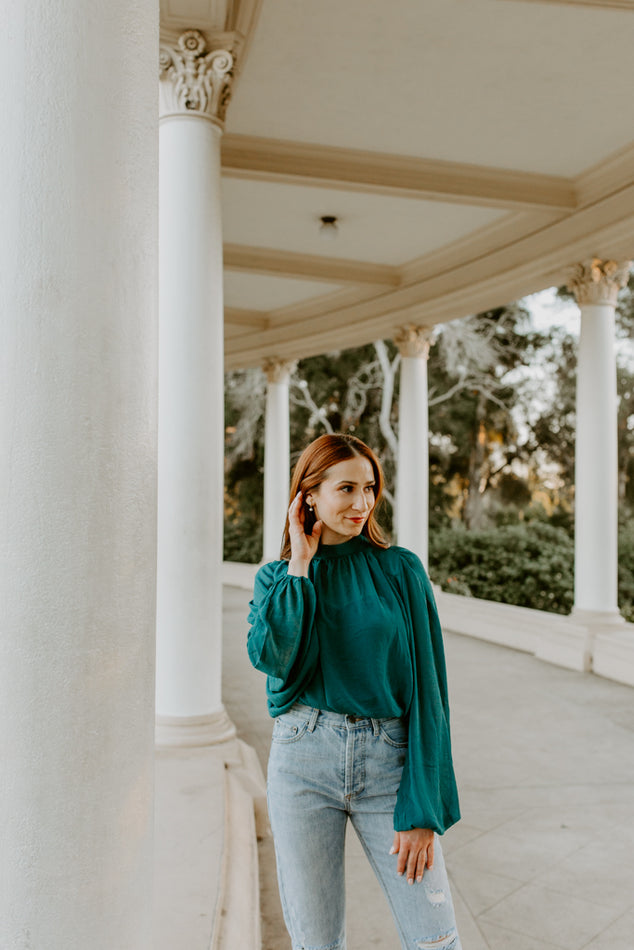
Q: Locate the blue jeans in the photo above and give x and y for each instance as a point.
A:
(323, 769)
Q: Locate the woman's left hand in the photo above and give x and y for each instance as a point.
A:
(415, 849)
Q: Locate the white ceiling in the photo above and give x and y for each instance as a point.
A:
(248, 291)
(373, 228)
(472, 151)
(529, 86)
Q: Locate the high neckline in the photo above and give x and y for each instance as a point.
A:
(343, 549)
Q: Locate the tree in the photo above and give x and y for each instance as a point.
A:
(475, 388)
(474, 393)
(244, 460)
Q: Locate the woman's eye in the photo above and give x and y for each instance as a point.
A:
(370, 489)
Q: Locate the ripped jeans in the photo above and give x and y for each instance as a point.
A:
(323, 769)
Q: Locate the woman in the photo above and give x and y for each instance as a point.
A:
(346, 628)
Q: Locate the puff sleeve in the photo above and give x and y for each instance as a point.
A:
(428, 795)
(282, 640)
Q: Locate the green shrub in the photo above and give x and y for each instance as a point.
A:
(626, 570)
(530, 565)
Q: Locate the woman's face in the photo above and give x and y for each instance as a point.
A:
(344, 499)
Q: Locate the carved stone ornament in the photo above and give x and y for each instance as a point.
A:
(598, 282)
(277, 370)
(414, 341)
(194, 81)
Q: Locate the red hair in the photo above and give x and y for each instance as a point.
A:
(310, 471)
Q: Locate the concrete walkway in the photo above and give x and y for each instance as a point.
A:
(543, 858)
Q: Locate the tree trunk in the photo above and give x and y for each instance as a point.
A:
(473, 510)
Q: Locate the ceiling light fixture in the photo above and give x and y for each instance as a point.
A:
(328, 227)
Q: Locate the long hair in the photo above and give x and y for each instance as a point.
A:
(310, 472)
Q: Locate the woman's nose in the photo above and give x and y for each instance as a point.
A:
(360, 502)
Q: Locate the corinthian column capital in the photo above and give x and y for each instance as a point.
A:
(598, 282)
(195, 80)
(278, 370)
(412, 340)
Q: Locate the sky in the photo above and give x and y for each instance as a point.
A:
(548, 310)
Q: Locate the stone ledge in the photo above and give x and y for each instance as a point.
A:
(613, 654)
(518, 627)
(575, 642)
(210, 804)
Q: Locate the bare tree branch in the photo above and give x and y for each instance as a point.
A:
(318, 413)
(388, 369)
(248, 391)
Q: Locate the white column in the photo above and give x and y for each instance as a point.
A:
(276, 454)
(596, 284)
(77, 473)
(194, 87)
(412, 477)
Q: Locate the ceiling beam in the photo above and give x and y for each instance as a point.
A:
(245, 156)
(256, 319)
(262, 260)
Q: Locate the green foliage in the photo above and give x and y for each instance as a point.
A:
(527, 565)
(554, 430)
(626, 570)
(478, 363)
(244, 504)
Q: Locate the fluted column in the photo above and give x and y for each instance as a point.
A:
(596, 284)
(77, 474)
(195, 85)
(276, 454)
(412, 481)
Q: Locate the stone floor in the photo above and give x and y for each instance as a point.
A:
(543, 858)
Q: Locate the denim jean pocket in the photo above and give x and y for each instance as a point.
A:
(394, 732)
(288, 728)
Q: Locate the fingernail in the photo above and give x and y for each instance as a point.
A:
(419, 878)
(400, 873)
(392, 850)
(410, 880)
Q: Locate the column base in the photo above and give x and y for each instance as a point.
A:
(597, 618)
(610, 643)
(193, 731)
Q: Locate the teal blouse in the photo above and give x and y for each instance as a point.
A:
(361, 636)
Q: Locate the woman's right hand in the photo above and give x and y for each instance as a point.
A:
(303, 546)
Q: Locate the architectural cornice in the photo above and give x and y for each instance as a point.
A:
(540, 259)
(413, 341)
(607, 177)
(263, 260)
(601, 4)
(245, 156)
(598, 282)
(195, 80)
(477, 244)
